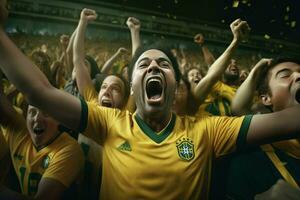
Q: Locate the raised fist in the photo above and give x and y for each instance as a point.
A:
(240, 29)
(199, 39)
(122, 50)
(88, 15)
(133, 23)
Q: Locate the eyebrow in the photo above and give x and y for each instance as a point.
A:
(282, 70)
(160, 59)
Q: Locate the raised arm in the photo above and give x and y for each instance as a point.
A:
(239, 29)
(83, 78)
(29, 80)
(109, 63)
(243, 99)
(268, 128)
(208, 56)
(134, 26)
(69, 54)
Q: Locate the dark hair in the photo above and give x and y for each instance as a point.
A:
(162, 46)
(94, 66)
(263, 79)
(101, 77)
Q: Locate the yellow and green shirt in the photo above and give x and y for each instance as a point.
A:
(61, 160)
(219, 100)
(173, 164)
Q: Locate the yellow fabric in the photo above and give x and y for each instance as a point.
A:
(3, 146)
(291, 147)
(145, 169)
(219, 100)
(279, 165)
(90, 94)
(62, 160)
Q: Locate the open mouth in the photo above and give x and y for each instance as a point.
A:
(38, 130)
(297, 96)
(106, 103)
(197, 81)
(154, 89)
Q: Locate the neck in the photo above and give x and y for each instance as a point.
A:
(155, 121)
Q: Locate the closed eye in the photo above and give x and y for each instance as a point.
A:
(284, 74)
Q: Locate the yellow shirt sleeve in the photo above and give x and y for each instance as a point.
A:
(228, 133)
(90, 94)
(99, 120)
(66, 165)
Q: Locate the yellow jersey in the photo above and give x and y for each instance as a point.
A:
(219, 100)
(173, 164)
(61, 160)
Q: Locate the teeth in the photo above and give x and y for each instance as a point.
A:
(154, 80)
(106, 103)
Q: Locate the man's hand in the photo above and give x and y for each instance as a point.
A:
(279, 191)
(264, 62)
(240, 29)
(3, 11)
(199, 39)
(88, 15)
(133, 23)
(122, 50)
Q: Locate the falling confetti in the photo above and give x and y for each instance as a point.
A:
(266, 36)
(287, 9)
(293, 24)
(235, 4)
(286, 17)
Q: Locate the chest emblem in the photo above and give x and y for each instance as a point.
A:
(185, 148)
(125, 147)
(46, 162)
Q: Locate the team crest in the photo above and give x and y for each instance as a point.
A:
(46, 162)
(185, 148)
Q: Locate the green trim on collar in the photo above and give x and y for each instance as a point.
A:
(48, 143)
(158, 138)
(83, 116)
(242, 137)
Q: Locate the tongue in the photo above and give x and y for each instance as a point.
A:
(157, 96)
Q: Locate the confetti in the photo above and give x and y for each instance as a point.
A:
(226, 7)
(244, 1)
(235, 4)
(286, 17)
(287, 9)
(293, 24)
(266, 36)
(176, 1)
